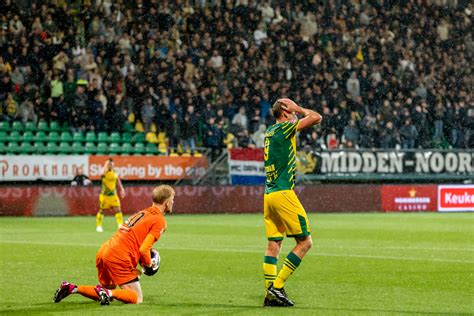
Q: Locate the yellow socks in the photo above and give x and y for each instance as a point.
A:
(292, 261)
(99, 219)
(119, 218)
(269, 269)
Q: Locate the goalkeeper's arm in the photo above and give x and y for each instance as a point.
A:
(145, 248)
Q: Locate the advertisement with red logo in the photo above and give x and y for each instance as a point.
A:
(453, 198)
(409, 198)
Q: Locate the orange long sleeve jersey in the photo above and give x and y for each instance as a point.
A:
(137, 235)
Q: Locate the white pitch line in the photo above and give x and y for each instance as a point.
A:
(317, 245)
(398, 248)
(245, 251)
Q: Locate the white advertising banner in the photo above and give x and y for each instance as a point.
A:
(453, 198)
(397, 162)
(26, 168)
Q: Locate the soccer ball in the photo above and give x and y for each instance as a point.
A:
(155, 263)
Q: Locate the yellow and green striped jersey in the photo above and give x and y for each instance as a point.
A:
(109, 183)
(280, 156)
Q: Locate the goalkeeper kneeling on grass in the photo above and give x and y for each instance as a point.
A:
(117, 259)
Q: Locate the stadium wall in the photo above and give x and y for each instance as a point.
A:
(71, 201)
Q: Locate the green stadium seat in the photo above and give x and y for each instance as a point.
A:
(3, 148)
(3, 136)
(78, 137)
(65, 127)
(102, 137)
(64, 148)
(128, 127)
(28, 136)
(151, 149)
(13, 148)
(15, 136)
(54, 137)
(18, 126)
(26, 148)
(127, 137)
(115, 137)
(139, 149)
(66, 137)
(77, 148)
(52, 148)
(102, 149)
(42, 126)
(115, 148)
(39, 148)
(5, 126)
(54, 126)
(91, 137)
(127, 149)
(89, 148)
(41, 137)
(30, 127)
(139, 138)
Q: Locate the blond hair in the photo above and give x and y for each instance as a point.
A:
(277, 109)
(161, 193)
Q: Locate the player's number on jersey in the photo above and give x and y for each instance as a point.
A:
(134, 219)
(266, 145)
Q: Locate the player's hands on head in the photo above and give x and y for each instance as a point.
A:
(288, 105)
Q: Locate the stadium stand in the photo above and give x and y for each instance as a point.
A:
(139, 76)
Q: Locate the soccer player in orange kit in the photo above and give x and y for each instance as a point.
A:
(117, 259)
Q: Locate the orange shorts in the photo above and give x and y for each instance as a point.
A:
(111, 271)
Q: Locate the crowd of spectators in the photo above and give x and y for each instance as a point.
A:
(384, 74)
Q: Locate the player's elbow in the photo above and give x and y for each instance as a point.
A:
(317, 118)
(314, 118)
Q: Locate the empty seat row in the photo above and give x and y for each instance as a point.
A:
(43, 126)
(79, 148)
(33, 127)
(29, 136)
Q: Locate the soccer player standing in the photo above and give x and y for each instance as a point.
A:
(108, 198)
(117, 259)
(283, 213)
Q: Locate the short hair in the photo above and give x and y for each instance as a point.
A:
(161, 193)
(277, 109)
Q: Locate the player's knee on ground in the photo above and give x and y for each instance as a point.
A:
(136, 289)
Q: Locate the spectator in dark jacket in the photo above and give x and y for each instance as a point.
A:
(408, 134)
(213, 137)
(389, 137)
(189, 130)
(351, 133)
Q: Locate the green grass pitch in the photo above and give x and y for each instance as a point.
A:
(367, 264)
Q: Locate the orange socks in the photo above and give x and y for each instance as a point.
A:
(126, 296)
(87, 291)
